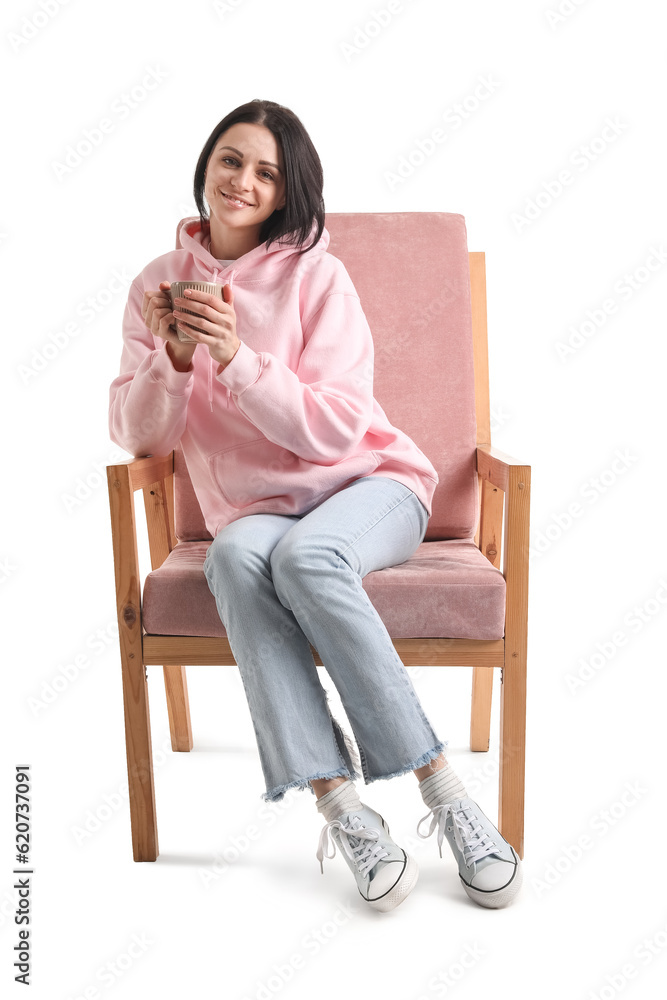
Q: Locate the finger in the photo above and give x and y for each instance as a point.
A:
(218, 327)
(227, 294)
(158, 313)
(213, 315)
(150, 297)
(161, 320)
(161, 311)
(204, 299)
(213, 330)
(201, 338)
(158, 303)
(169, 332)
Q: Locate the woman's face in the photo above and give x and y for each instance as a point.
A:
(244, 181)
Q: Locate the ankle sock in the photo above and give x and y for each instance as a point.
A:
(441, 787)
(341, 799)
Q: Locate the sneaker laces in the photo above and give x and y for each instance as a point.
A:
(361, 846)
(471, 839)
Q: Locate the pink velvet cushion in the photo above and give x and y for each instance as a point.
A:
(446, 589)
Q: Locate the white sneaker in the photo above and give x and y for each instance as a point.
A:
(489, 867)
(384, 873)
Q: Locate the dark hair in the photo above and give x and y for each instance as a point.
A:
(303, 173)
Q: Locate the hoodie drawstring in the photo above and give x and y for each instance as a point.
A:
(216, 272)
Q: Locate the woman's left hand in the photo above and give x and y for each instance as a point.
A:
(218, 322)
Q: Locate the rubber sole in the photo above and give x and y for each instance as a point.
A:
(501, 897)
(401, 890)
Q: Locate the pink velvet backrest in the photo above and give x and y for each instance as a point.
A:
(412, 274)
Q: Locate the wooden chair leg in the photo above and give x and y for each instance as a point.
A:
(489, 535)
(178, 707)
(480, 716)
(513, 685)
(139, 759)
(512, 752)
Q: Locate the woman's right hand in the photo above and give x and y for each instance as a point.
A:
(159, 318)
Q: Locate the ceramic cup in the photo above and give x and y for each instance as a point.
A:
(176, 291)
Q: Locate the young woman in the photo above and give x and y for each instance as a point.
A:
(305, 487)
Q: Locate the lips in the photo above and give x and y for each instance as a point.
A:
(236, 201)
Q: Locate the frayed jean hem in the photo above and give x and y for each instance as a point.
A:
(277, 793)
(419, 762)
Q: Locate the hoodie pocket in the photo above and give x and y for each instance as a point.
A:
(260, 470)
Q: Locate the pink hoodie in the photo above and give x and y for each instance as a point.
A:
(292, 419)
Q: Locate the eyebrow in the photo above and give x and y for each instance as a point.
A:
(239, 153)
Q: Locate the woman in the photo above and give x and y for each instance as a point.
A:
(305, 487)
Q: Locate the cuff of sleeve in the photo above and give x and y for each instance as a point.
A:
(162, 370)
(242, 370)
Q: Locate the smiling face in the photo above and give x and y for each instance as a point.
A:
(243, 185)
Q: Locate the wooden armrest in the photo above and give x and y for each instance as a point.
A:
(152, 474)
(143, 471)
(494, 466)
(512, 478)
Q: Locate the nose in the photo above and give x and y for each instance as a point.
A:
(241, 180)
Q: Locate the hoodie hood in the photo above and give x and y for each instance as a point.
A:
(257, 263)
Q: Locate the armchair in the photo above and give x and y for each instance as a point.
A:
(450, 604)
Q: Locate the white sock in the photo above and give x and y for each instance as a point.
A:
(341, 799)
(442, 787)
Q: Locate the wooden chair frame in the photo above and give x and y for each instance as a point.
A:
(504, 486)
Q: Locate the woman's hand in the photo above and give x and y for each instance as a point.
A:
(218, 322)
(159, 318)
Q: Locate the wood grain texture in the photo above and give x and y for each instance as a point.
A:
(205, 651)
(139, 753)
(513, 686)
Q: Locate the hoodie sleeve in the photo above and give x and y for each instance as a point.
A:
(322, 410)
(148, 401)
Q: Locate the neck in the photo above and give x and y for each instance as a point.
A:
(229, 244)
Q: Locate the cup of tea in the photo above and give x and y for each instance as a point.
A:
(176, 291)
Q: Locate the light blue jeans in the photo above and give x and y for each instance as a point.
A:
(283, 581)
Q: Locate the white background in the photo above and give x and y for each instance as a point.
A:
(368, 95)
